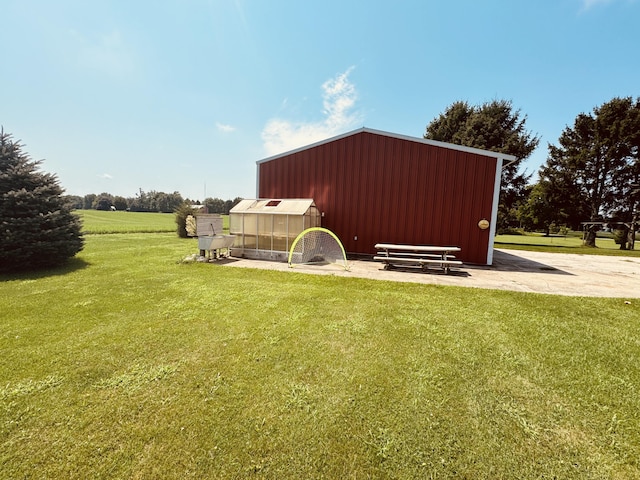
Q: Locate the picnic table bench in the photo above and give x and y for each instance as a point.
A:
(422, 255)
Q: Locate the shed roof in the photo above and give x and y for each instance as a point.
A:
(286, 206)
(507, 159)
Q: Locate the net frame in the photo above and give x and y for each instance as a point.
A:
(317, 246)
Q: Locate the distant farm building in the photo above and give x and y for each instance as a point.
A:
(372, 186)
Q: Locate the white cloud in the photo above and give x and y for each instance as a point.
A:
(589, 4)
(225, 128)
(339, 101)
(106, 176)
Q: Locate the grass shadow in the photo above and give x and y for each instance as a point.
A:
(437, 271)
(72, 265)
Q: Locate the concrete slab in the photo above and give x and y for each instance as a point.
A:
(516, 270)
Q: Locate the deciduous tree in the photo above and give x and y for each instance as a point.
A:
(214, 205)
(120, 203)
(104, 201)
(74, 201)
(87, 202)
(596, 163)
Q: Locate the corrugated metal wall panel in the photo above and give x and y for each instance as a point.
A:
(401, 169)
(386, 189)
(422, 214)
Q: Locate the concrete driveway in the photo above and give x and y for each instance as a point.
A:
(517, 270)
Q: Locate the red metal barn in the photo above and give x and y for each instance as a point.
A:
(378, 187)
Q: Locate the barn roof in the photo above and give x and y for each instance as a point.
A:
(507, 159)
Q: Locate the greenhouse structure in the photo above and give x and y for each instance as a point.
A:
(266, 228)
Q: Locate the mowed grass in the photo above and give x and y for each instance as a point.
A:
(97, 221)
(129, 364)
(101, 222)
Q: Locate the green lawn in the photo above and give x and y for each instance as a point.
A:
(97, 221)
(569, 244)
(130, 364)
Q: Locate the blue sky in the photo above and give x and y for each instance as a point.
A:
(186, 95)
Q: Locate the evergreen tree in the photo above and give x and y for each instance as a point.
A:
(493, 126)
(38, 228)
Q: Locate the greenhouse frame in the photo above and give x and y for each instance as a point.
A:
(266, 228)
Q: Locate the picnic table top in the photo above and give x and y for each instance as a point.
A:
(416, 248)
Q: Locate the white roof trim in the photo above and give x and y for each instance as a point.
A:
(452, 146)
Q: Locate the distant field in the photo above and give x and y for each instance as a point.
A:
(568, 244)
(99, 221)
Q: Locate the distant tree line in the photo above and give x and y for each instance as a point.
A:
(217, 205)
(147, 202)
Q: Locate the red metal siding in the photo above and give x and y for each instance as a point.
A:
(386, 189)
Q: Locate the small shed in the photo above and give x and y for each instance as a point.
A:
(266, 228)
